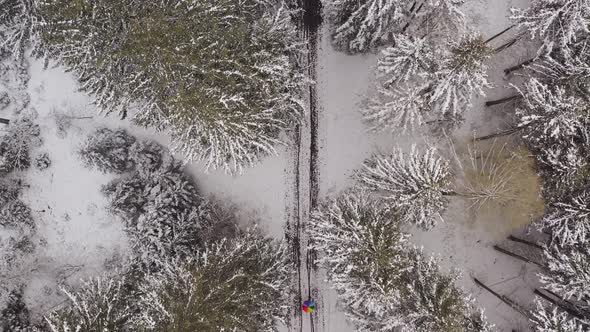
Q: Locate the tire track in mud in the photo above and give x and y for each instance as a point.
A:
(305, 174)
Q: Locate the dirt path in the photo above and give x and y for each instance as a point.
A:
(304, 177)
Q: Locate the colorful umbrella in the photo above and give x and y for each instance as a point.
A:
(308, 306)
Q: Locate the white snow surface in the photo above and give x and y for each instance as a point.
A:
(80, 234)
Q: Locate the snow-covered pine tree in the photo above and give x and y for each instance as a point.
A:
(550, 112)
(168, 232)
(402, 100)
(360, 243)
(359, 26)
(175, 65)
(549, 319)
(570, 71)
(15, 145)
(476, 322)
(569, 272)
(556, 23)
(162, 211)
(99, 305)
(383, 284)
(42, 161)
(425, 83)
(431, 301)
(127, 197)
(217, 290)
(147, 156)
(16, 214)
(108, 150)
(402, 107)
(410, 57)
(439, 19)
(564, 163)
(568, 220)
(9, 190)
(461, 76)
(15, 317)
(17, 21)
(415, 182)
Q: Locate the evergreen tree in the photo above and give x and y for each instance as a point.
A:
(461, 76)
(359, 26)
(147, 156)
(556, 23)
(42, 161)
(546, 319)
(550, 111)
(127, 197)
(9, 190)
(220, 76)
(403, 107)
(164, 213)
(383, 283)
(564, 165)
(409, 58)
(442, 19)
(361, 245)
(427, 83)
(16, 214)
(108, 150)
(218, 289)
(17, 22)
(432, 302)
(162, 210)
(415, 182)
(16, 143)
(569, 220)
(570, 70)
(569, 272)
(15, 317)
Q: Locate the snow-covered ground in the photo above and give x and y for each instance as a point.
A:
(82, 239)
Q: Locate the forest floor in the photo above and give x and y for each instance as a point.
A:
(80, 238)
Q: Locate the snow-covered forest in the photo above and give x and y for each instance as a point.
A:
(209, 165)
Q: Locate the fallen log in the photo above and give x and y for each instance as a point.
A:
(502, 100)
(560, 304)
(497, 134)
(517, 256)
(504, 299)
(523, 241)
(519, 66)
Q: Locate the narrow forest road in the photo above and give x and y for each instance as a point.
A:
(304, 179)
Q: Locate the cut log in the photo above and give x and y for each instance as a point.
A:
(570, 303)
(506, 45)
(504, 299)
(517, 256)
(518, 66)
(502, 100)
(4, 121)
(523, 241)
(498, 134)
(499, 34)
(560, 304)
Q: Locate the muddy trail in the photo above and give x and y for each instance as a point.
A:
(304, 177)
